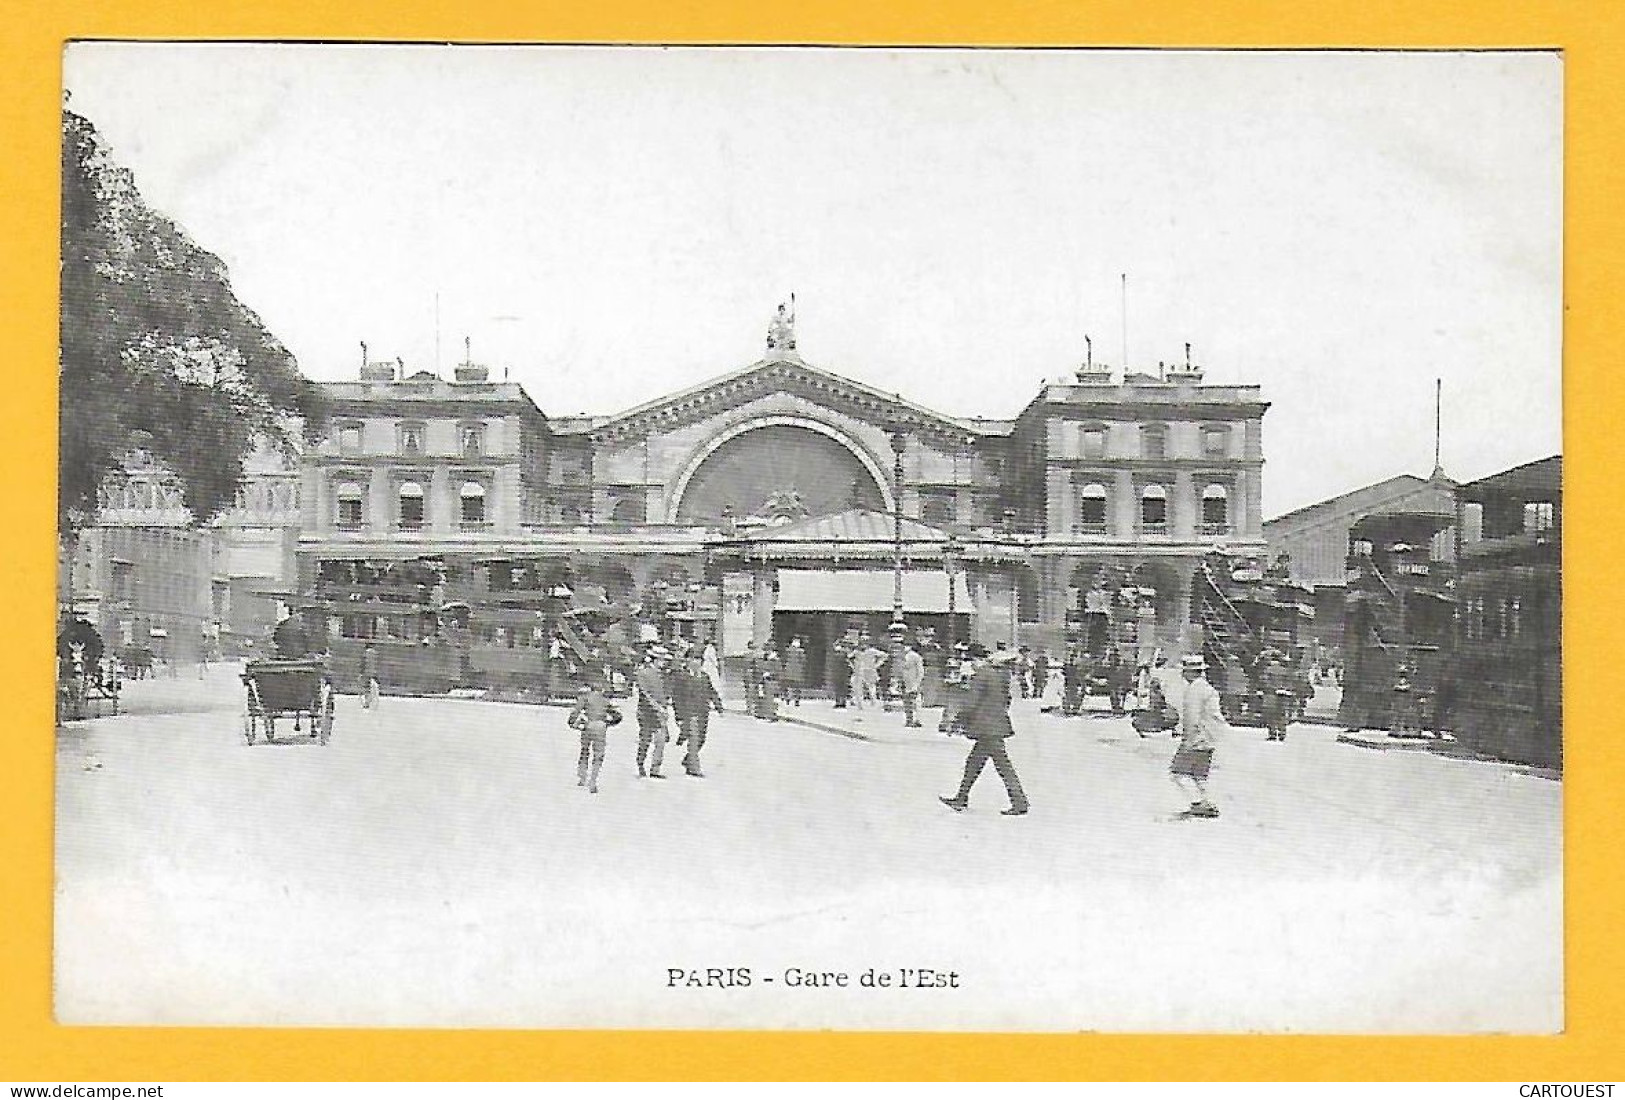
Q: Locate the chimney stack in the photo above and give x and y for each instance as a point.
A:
(468, 370)
(375, 372)
(1188, 372)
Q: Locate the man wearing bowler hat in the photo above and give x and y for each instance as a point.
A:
(1200, 722)
(984, 717)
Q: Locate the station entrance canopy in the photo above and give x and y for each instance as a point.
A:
(868, 590)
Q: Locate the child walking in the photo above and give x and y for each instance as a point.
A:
(1200, 722)
(592, 716)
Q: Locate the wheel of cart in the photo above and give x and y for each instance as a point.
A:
(296, 689)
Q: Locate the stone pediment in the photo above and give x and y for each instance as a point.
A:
(788, 374)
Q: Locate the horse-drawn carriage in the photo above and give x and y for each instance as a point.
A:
(297, 688)
(87, 680)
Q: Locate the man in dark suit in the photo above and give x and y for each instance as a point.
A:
(693, 697)
(984, 717)
(839, 663)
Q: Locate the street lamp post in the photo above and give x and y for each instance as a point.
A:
(899, 439)
(950, 560)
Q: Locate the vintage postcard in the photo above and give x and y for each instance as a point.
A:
(810, 538)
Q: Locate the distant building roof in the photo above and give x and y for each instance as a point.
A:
(1544, 475)
(1361, 501)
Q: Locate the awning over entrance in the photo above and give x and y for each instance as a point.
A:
(924, 591)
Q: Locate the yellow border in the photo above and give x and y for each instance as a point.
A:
(33, 1049)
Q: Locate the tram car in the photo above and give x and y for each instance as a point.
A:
(1253, 617)
(1399, 620)
(507, 625)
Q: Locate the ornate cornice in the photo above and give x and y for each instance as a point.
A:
(776, 377)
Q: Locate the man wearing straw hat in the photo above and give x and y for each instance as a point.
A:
(653, 701)
(1200, 721)
(984, 717)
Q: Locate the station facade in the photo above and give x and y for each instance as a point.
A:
(782, 499)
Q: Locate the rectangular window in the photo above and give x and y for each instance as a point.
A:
(473, 440)
(1092, 510)
(350, 439)
(1154, 509)
(411, 512)
(1216, 441)
(350, 514)
(1539, 515)
(411, 439)
(1093, 442)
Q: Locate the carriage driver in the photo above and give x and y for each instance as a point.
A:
(290, 638)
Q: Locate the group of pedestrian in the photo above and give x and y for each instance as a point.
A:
(1108, 672)
(1189, 706)
(770, 677)
(671, 690)
(861, 674)
(682, 690)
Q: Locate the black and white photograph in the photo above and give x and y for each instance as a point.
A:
(790, 538)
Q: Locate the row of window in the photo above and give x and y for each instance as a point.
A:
(410, 438)
(142, 495)
(1484, 621)
(410, 511)
(256, 497)
(1093, 500)
(1154, 440)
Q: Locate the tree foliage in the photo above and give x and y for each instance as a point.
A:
(158, 355)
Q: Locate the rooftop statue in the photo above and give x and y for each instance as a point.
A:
(781, 330)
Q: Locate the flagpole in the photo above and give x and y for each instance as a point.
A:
(1125, 323)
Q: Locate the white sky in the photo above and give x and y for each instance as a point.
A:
(612, 224)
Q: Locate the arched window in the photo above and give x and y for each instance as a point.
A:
(1092, 509)
(1154, 441)
(472, 496)
(1215, 510)
(411, 505)
(351, 505)
(1154, 508)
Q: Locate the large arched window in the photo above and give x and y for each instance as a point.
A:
(1154, 508)
(472, 497)
(1215, 510)
(410, 497)
(351, 506)
(1092, 509)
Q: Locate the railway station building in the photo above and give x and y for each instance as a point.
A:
(781, 499)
